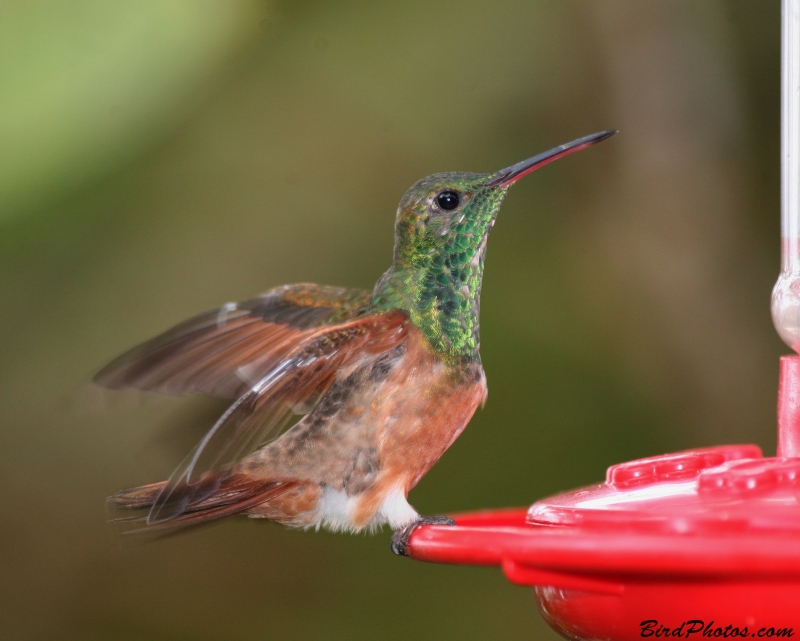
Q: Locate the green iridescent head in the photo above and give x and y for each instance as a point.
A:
(445, 214)
(442, 226)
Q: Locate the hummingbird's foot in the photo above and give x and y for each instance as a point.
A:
(400, 538)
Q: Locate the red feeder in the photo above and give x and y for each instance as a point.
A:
(704, 542)
(701, 543)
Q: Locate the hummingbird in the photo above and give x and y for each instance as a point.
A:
(341, 399)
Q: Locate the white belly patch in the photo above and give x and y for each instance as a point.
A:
(335, 508)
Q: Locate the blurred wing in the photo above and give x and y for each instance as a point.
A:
(226, 352)
(290, 388)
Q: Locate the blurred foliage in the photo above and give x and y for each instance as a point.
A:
(87, 85)
(160, 158)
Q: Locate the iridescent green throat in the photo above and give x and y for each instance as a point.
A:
(438, 269)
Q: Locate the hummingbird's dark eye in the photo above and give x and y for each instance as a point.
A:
(448, 200)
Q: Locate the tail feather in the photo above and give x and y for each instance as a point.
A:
(234, 494)
(137, 497)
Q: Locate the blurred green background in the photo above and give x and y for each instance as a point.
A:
(160, 158)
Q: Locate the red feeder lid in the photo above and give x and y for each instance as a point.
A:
(704, 542)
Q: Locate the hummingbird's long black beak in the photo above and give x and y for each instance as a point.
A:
(513, 173)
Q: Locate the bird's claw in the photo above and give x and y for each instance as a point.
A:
(401, 537)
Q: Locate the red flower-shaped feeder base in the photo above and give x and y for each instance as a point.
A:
(702, 543)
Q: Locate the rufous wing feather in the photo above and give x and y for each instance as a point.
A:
(225, 352)
(269, 406)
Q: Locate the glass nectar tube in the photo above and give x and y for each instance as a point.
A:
(786, 293)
